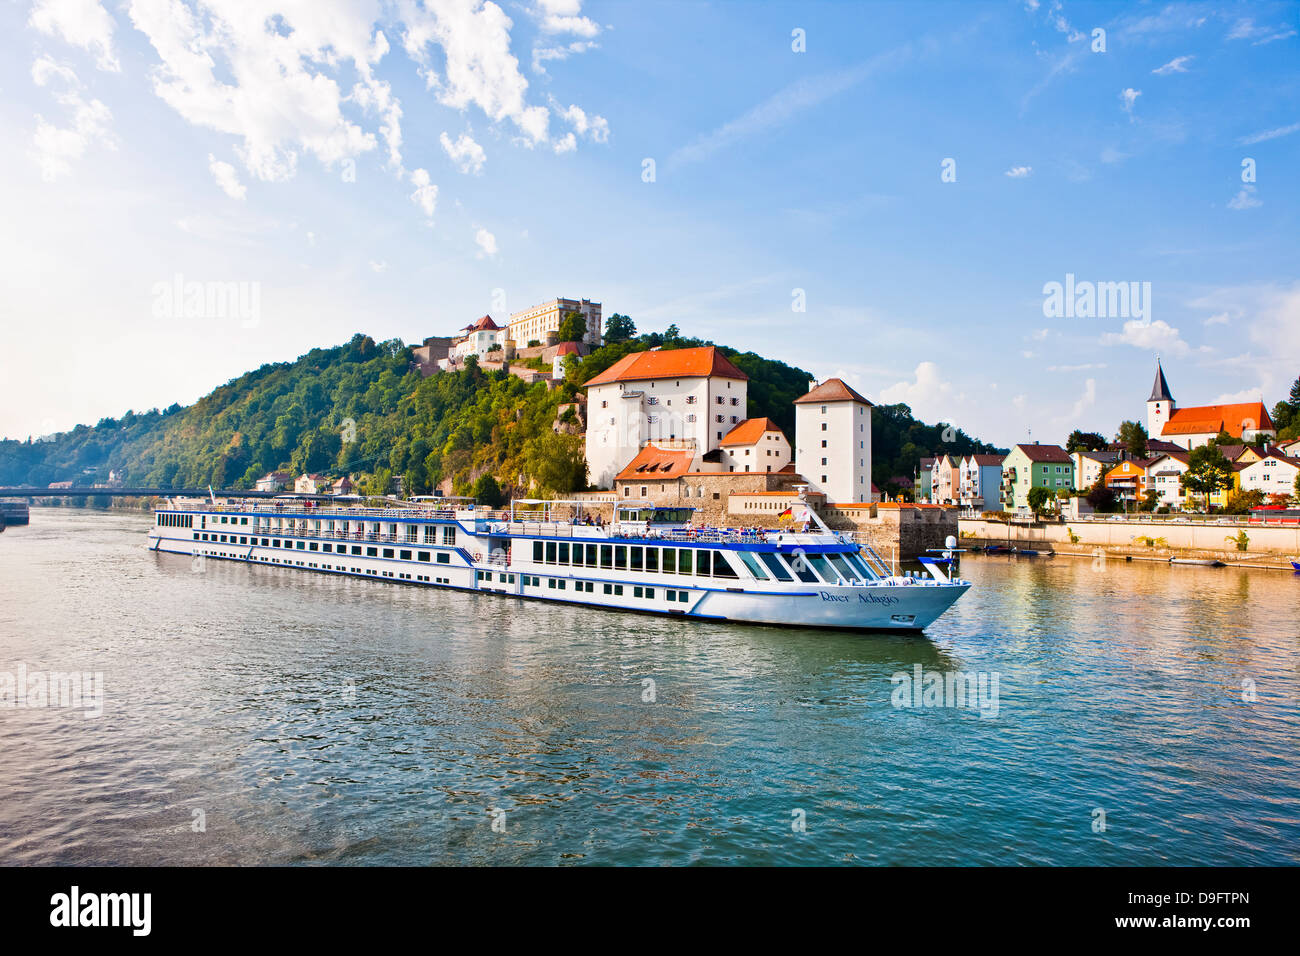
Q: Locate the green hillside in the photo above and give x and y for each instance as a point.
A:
(360, 409)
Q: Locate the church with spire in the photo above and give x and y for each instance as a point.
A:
(1195, 425)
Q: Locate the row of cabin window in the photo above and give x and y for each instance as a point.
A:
(634, 557)
(441, 557)
(175, 521)
(410, 534)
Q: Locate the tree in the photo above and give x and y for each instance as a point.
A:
(1241, 502)
(1133, 435)
(1149, 500)
(573, 328)
(488, 492)
(1223, 438)
(555, 463)
(1207, 472)
(1039, 496)
(1101, 496)
(1084, 441)
(672, 333)
(619, 328)
(1297, 488)
(378, 483)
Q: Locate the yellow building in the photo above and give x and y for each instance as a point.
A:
(533, 324)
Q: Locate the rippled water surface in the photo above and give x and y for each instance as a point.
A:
(262, 715)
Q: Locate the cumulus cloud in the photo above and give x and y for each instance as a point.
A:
(486, 242)
(1019, 172)
(468, 155)
(556, 18)
(928, 395)
(226, 178)
(595, 128)
(1245, 199)
(426, 193)
(1127, 98)
(57, 147)
(81, 23)
(478, 67)
(1157, 336)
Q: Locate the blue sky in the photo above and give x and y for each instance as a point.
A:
(402, 168)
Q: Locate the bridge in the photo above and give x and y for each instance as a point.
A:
(146, 493)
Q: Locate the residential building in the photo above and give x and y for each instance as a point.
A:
(1274, 474)
(561, 356)
(833, 442)
(687, 398)
(945, 480)
(980, 482)
(1290, 448)
(923, 478)
(756, 444)
(1164, 475)
(311, 485)
(540, 321)
(1034, 466)
(1128, 480)
(1089, 466)
(344, 486)
(274, 481)
(1196, 425)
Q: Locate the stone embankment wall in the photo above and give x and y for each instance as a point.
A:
(1190, 535)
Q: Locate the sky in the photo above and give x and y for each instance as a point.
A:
(876, 191)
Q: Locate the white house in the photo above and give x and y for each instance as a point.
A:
(1164, 474)
(756, 444)
(479, 338)
(1089, 466)
(311, 485)
(562, 353)
(690, 398)
(274, 481)
(1273, 474)
(833, 442)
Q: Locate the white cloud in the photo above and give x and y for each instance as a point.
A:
(378, 266)
(542, 54)
(1128, 97)
(56, 147)
(1270, 134)
(1244, 395)
(1110, 155)
(226, 178)
(478, 67)
(566, 143)
(1245, 199)
(82, 23)
(1245, 29)
(1157, 336)
(928, 395)
(426, 194)
(563, 16)
(1176, 65)
(468, 155)
(269, 80)
(784, 105)
(595, 128)
(1219, 318)
(1019, 172)
(486, 242)
(1086, 400)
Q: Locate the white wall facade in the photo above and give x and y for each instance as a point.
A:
(833, 449)
(624, 416)
(770, 453)
(1273, 476)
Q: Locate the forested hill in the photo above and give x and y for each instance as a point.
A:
(361, 409)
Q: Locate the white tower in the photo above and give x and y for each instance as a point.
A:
(1160, 406)
(832, 426)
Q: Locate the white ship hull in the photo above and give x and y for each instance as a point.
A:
(462, 552)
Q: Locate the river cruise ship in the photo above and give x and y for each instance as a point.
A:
(647, 559)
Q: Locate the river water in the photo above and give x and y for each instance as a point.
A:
(1142, 714)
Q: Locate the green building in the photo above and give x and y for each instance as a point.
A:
(1034, 466)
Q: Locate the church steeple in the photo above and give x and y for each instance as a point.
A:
(1160, 406)
(1160, 390)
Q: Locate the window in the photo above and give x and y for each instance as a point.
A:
(684, 561)
(444, 557)
(776, 566)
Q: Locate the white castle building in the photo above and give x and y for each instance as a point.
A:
(833, 442)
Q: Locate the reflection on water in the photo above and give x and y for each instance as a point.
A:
(258, 715)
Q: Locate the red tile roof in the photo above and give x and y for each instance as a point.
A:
(484, 324)
(831, 390)
(751, 431)
(1212, 419)
(567, 348)
(656, 463)
(1049, 453)
(704, 361)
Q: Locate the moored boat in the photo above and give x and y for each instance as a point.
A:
(649, 559)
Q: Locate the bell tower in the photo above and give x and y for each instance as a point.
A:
(1160, 406)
